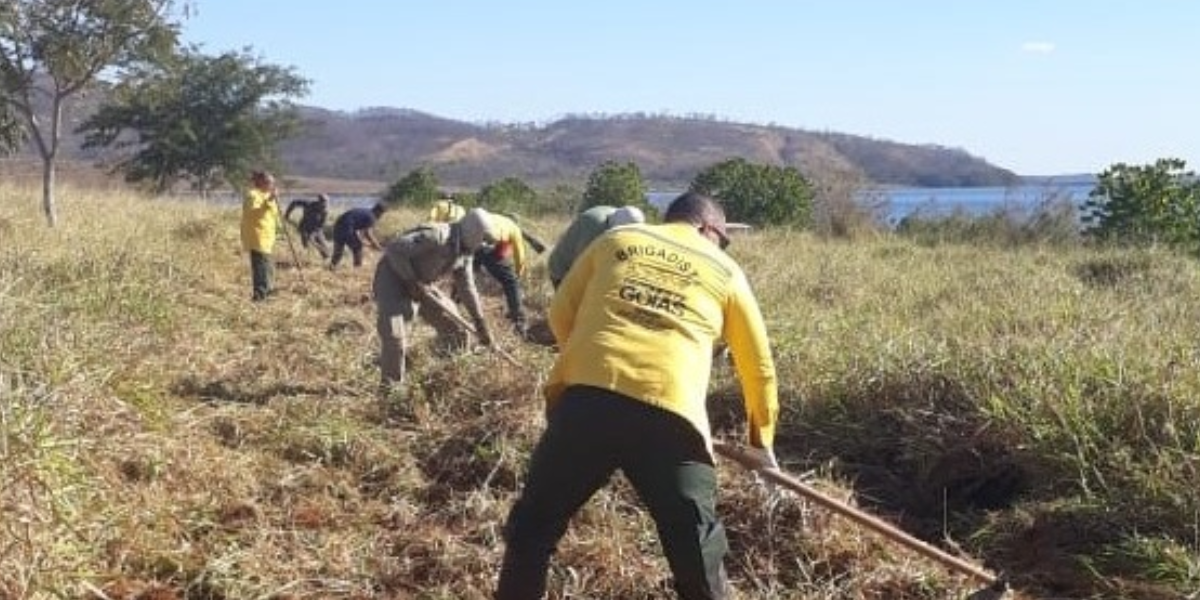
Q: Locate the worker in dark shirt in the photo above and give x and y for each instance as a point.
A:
(313, 214)
(352, 229)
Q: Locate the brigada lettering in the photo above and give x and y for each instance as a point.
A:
(656, 252)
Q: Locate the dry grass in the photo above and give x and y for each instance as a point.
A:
(161, 437)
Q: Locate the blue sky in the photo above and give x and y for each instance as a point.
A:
(1041, 87)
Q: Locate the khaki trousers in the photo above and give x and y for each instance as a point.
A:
(398, 305)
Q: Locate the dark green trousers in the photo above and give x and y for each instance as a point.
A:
(591, 434)
(260, 275)
(504, 271)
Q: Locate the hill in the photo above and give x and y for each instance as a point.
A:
(350, 152)
(366, 149)
(385, 143)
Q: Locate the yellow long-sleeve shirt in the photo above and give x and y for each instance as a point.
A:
(509, 239)
(638, 314)
(446, 211)
(260, 219)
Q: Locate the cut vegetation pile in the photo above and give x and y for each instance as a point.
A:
(162, 437)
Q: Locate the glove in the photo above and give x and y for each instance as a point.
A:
(767, 462)
(420, 292)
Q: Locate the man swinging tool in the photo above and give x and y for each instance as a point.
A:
(507, 260)
(351, 230)
(403, 288)
(636, 318)
(313, 214)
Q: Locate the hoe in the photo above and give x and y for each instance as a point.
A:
(996, 587)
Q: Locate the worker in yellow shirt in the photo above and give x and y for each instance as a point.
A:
(635, 319)
(506, 260)
(260, 222)
(446, 210)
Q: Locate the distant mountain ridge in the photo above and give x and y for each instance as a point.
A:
(383, 144)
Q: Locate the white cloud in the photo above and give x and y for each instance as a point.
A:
(1038, 47)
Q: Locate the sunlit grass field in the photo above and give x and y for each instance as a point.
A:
(1035, 409)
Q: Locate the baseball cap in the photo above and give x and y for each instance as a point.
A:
(626, 215)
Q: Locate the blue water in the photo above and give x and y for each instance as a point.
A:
(1018, 201)
(891, 204)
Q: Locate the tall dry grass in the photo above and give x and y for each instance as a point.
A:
(162, 437)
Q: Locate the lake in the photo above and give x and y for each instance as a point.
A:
(895, 203)
(1017, 200)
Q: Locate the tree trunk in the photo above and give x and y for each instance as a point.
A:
(48, 207)
(49, 151)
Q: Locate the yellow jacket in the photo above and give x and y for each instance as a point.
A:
(638, 313)
(509, 240)
(260, 219)
(446, 211)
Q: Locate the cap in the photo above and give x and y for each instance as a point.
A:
(476, 228)
(626, 215)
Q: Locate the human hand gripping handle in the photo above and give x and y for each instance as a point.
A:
(421, 292)
(483, 333)
(764, 460)
(485, 336)
(763, 457)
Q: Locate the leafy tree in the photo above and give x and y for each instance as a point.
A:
(758, 194)
(418, 188)
(51, 50)
(203, 119)
(615, 184)
(1158, 203)
(510, 194)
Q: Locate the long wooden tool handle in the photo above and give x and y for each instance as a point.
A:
(287, 236)
(448, 308)
(751, 462)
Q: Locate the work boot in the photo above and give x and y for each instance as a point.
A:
(520, 328)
